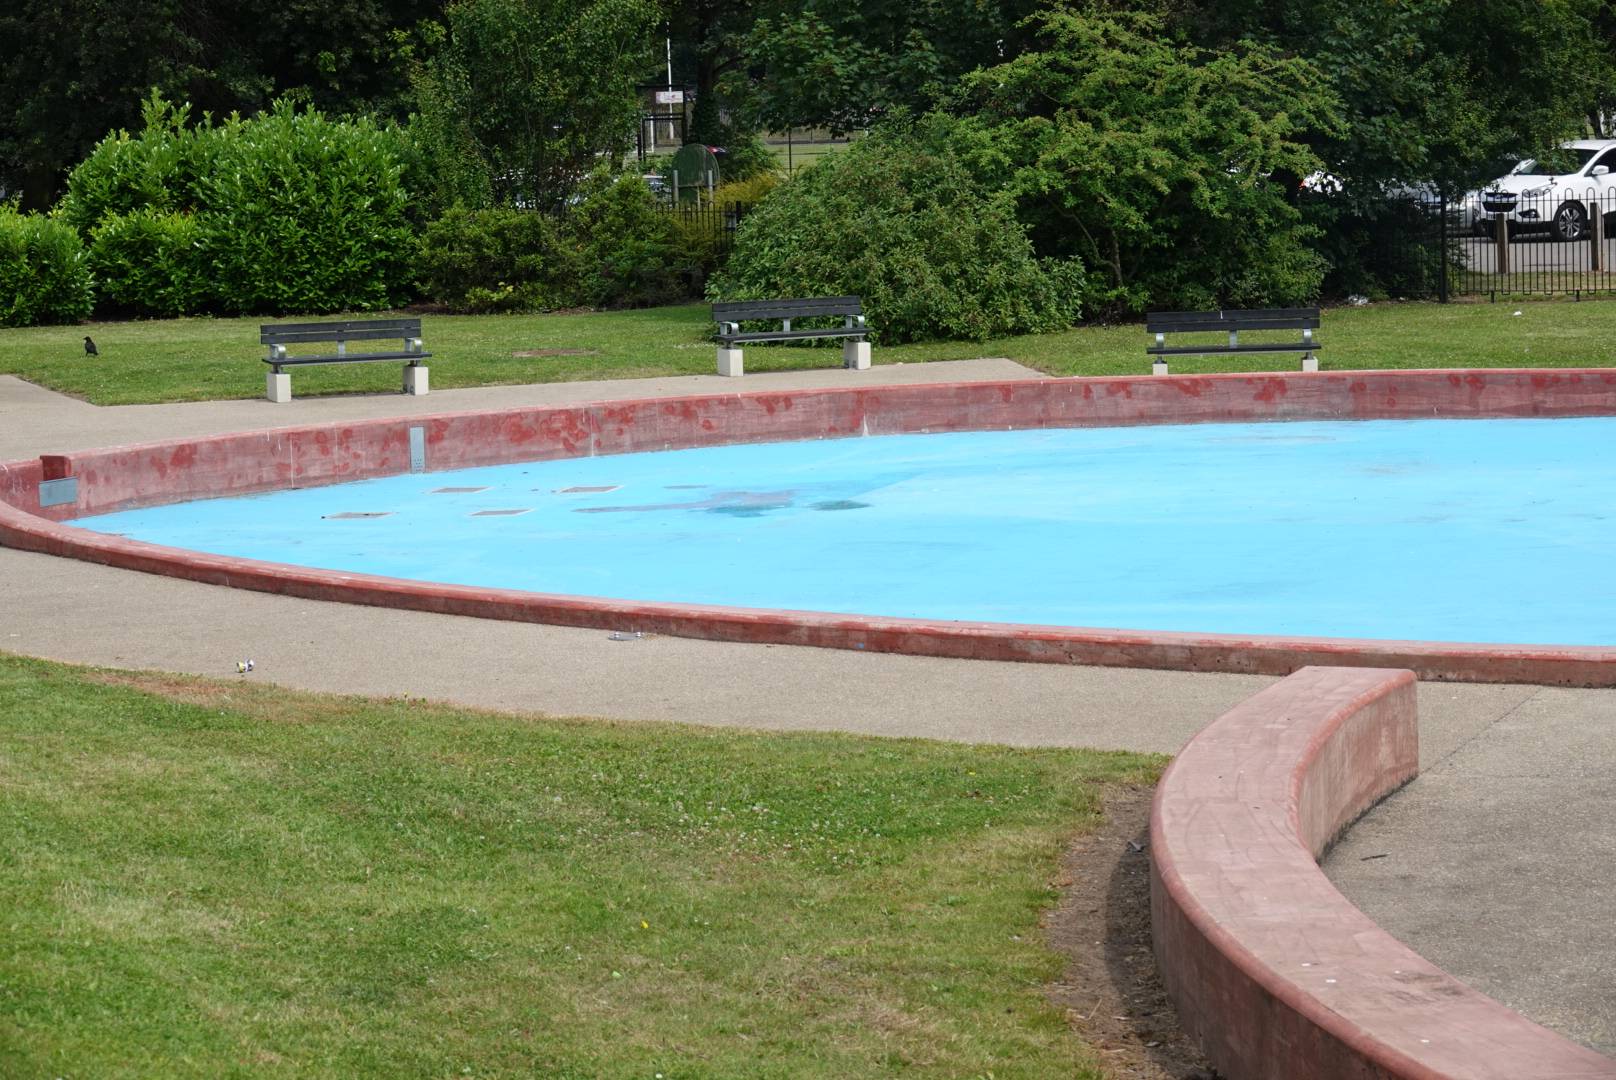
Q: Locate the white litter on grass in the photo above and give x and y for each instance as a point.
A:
(243, 666)
(623, 635)
(1517, 313)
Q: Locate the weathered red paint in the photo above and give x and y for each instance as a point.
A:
(1272, 970)
(130, 476)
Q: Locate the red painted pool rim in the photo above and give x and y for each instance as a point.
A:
(1273, 972)
(108, 479)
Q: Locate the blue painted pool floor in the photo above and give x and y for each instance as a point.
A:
(1476, 530)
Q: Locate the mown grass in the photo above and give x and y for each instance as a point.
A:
(202, 359)
(204, 878)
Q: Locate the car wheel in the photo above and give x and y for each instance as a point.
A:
(1571, 221)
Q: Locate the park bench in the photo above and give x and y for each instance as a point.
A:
(1162, 323)
(730, 316)
(283, 336)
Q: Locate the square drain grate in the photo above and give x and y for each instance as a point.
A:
(354, 515)
(586, 489)
(501, 513)
(456, 490)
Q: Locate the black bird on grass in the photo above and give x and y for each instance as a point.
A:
(89, 348)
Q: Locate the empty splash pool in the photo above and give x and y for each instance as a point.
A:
(1441, 530)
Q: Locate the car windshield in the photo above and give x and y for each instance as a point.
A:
(1557, 163)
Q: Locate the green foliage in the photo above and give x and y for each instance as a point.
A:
(151, 262)
(156, 170)
(899, 220)
(841, 65)
(499, 260)
(1152, 161)
(288, 211)
(44, 277)
(307, 214)
(628, 245)
(1431, 90)
(523, 97)
(746, 157)
(616, 248)
(75, 71)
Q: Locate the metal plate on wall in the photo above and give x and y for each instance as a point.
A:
(417, 449)
(59, 492)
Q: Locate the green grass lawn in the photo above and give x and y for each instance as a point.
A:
(202, 878)
(199, 359)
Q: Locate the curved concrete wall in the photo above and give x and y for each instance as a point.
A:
(1273, 971)
(123, 477)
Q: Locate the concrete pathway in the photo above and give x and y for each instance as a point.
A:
(1499, 862)
(1528, 862)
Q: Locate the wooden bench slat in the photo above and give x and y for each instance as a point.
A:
(1224, 321)
(789, 335)
(764, 310)
(302, 337)
(343, 324)
(1205, 350)
(349, 358)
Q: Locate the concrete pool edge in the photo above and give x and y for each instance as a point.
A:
(121, 477)
(1275, 973)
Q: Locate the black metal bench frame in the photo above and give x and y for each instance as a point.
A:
(280, 336)
(729, 316)
(1232, 322)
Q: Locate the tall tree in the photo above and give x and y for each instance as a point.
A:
(1432, 90)
(1151, 160)
(524, 95)
(76, 70)
(841, 63)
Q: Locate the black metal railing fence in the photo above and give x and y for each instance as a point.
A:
(1557, 241)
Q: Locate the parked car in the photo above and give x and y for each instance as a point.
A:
(1556, 194)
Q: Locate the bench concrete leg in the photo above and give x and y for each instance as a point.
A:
(415, 379)
(1158, 367)
(856, 355)
(278, 387)
(729, 361)
(1310, 362)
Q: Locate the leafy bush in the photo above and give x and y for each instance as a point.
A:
(148, 262)
(746, 157)
(302, 213)
(499, 260)
(287, 211)
(44, 277)
(901, 221)
(156, 170)
(1380, 246)
(1152, 160)
(615, 248)
(628, 244)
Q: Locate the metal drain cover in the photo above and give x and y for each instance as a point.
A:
(456, 490)
(501, 513)
(586, 489)
(351, 515)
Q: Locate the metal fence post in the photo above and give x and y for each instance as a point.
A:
(1442, 261)
(1596, 234)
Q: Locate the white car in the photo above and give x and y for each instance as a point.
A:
(1558, 196)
